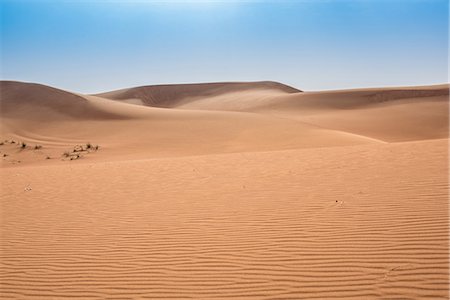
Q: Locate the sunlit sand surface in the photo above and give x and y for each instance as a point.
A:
(224, 191)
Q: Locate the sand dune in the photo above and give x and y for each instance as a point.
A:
(174, 95)
(224, 191)
(156, 132)
(386, 114)
(392, 114)
(30, 101)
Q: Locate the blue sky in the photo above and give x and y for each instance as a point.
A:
(93, 46)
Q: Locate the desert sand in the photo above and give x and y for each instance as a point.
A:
(250, 190)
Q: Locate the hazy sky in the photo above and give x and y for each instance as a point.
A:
(93, 46)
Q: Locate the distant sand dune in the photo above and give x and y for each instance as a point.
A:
(224, 191)
(172, 95)
(387, 114)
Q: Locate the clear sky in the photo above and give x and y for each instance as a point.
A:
(93, 46)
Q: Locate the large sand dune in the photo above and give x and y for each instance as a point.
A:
(224, 191)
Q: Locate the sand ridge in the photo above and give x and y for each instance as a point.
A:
(177, 94)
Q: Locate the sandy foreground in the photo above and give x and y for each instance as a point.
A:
(224, 191)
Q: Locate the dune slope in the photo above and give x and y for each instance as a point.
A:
(30, 101)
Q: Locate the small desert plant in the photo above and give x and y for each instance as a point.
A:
(36, 147)
(23, 145)
(5, 155)
(78, 148)
(47, 157)
(78, 151)
(1, 143)
(75, 157)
